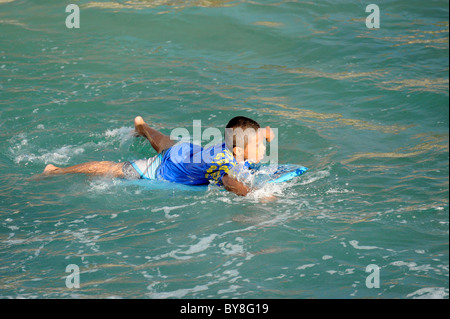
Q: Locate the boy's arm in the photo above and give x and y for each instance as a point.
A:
(234, 186)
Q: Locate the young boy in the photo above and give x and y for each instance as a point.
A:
(187, 163)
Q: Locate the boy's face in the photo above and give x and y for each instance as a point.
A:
(255, 149)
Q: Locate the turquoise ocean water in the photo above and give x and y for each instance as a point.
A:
(366, 110)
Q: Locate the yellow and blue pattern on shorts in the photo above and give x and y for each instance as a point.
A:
(220, 165)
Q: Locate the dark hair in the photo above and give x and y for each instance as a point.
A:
(232, 132)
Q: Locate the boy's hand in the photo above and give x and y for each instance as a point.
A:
(234, 186)
(268, 199)
(270, 135)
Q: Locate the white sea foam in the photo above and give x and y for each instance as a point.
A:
(429, 293)
(23, 151)
(58, 156)
(168, 209)
(122, 133)
(412, 266)
(337, 191)
(231, 289)
(101, 185)
(13, 241)
(86, 237)
(305, 266)
(267, 190)
(231, 249)
(180, 293)
(203, 244)
(313, 177)
(355, 245)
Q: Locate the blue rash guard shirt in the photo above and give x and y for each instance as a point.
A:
(190, 164)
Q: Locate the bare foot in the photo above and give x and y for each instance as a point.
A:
(138, 125)
(50, 169)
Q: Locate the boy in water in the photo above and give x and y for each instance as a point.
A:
(187, 163)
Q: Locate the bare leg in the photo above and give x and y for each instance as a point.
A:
(92, 168)
(159, 141)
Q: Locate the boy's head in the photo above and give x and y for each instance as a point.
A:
(245, 139)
